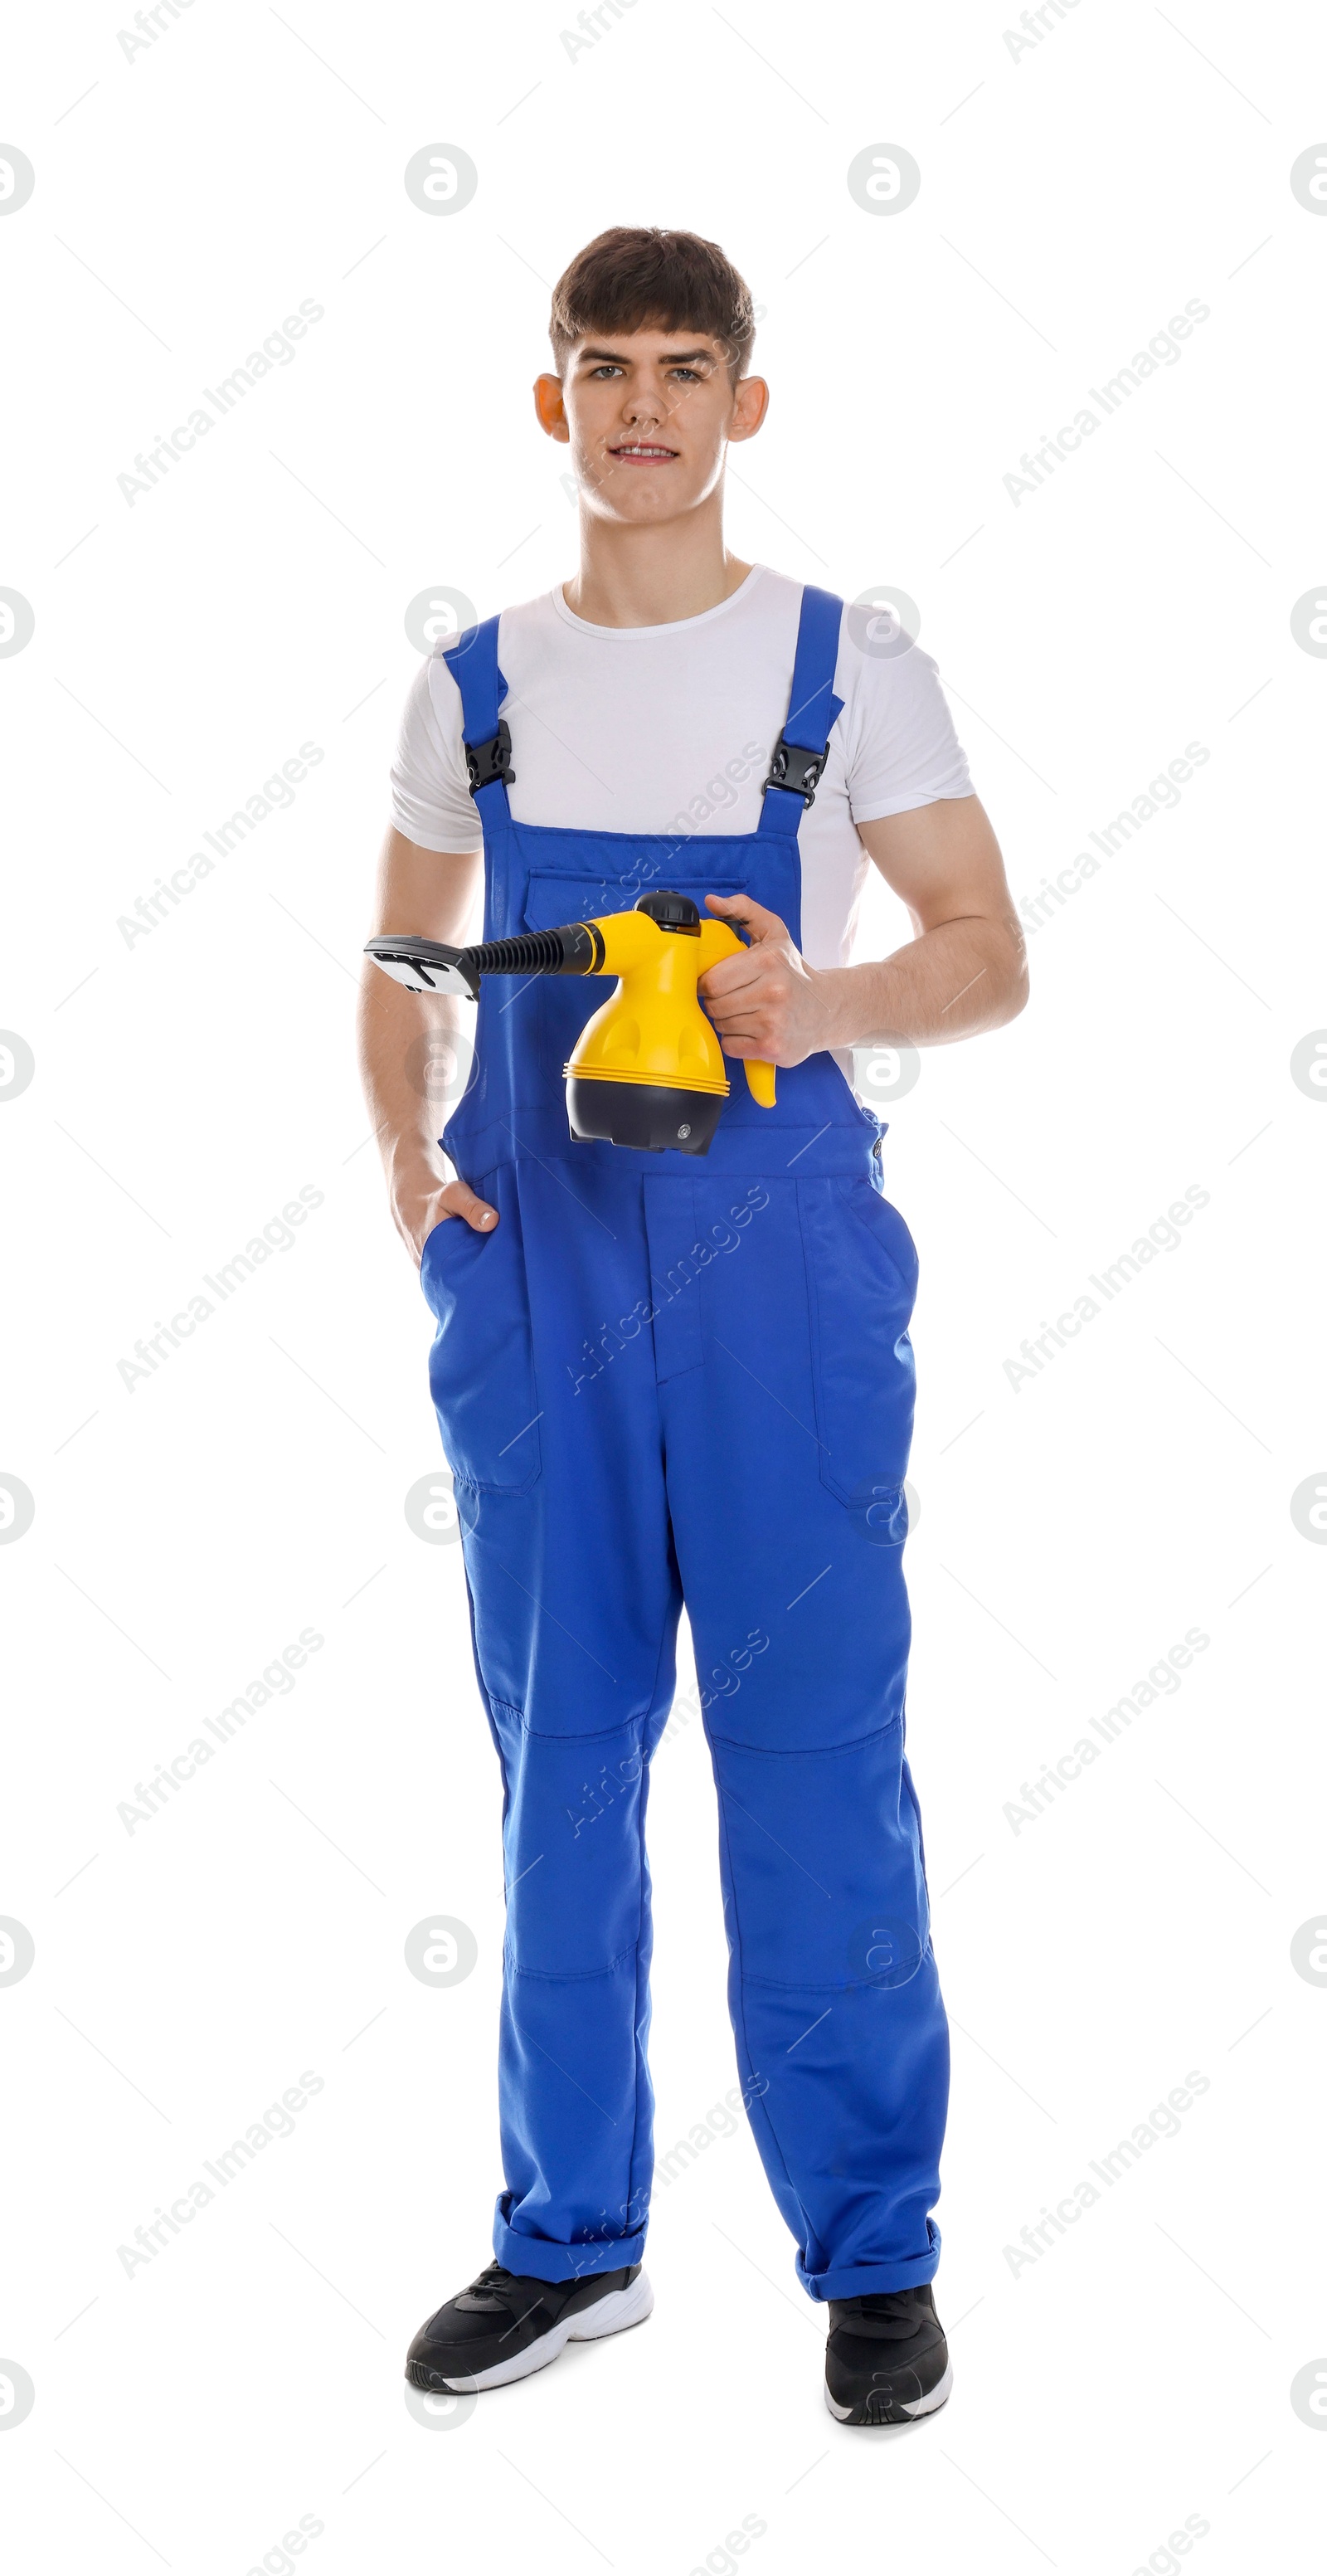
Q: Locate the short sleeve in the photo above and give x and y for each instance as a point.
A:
(430, 792)
(902, 748)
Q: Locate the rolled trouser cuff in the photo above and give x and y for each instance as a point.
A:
(868, 2280)
(541, 2258)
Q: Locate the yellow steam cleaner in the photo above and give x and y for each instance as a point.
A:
(647, 1070)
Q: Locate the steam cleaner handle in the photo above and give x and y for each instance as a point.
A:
(759, 1074)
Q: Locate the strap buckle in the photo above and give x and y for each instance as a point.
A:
(797, 770)
(486, 761)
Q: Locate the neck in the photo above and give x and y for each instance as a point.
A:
(653, 576)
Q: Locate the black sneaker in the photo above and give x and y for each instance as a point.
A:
(507, 2324)
(886, 2360)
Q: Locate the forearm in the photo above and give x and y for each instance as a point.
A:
(950, 982)
(415, 1048)
(408, 1046)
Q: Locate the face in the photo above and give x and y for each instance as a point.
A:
(647, 415)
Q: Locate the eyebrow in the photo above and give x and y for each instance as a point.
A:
(671, 358)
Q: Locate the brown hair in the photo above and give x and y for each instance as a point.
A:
(632, 276)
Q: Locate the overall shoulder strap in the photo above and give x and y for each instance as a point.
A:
(473, 663)
(803, 746)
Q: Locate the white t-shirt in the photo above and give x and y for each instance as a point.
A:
(669, 729)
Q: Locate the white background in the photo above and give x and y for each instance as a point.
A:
(188, 1085)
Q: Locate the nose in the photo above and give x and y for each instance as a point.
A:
(645, 405)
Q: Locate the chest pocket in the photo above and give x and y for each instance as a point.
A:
(565, 1002)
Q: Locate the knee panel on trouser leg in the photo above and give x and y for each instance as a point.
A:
(823, 1853)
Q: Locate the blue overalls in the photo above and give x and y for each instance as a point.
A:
(659, 1380)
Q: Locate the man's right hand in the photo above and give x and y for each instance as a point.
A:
(420, 1201)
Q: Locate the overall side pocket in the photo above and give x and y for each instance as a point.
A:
(861, 1280)
(481, 1366)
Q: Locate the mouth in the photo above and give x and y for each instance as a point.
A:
(640, 451)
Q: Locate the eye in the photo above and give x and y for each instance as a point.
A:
(693, 374)
(605, 370)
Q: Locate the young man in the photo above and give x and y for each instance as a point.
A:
(666, 1379)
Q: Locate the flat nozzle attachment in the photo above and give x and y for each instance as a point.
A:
(430, 966)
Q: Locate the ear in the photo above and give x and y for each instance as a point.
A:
(550, 409)
(750, 404)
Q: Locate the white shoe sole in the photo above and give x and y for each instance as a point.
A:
(610, 2315)
(916, 2406)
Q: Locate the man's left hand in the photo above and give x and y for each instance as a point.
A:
(766, 1001)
